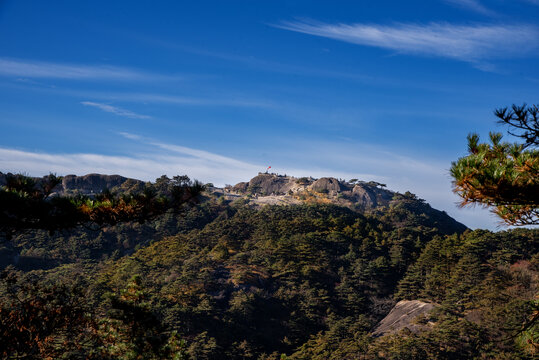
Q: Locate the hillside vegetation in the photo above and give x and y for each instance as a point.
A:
(231, 278)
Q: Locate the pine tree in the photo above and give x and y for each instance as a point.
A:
(500, 175)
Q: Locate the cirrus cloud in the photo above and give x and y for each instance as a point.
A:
(473, 5)
(470, 43)
(115, 110)
(50, 70)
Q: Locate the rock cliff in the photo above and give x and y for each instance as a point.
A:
(405, 315)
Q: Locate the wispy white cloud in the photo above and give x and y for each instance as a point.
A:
(232, 101)
(130, 136)
(145, 165)
(39, 69)
(470, 43)
(473, 5)
(238, 100)
(115, 110)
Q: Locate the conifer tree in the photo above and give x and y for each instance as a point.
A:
(27, 204)
(500, 175)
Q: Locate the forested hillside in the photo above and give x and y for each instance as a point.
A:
(231, 278)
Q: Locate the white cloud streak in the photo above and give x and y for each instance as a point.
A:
(470, 43)
(115, 110)
(225, 100)
(169, 159)
(473, 5)
(238, 101)
(39, 69)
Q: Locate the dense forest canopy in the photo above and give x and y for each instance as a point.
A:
(233, 279)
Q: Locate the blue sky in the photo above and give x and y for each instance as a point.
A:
(219, 90)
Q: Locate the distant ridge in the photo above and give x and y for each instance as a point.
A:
(89, 184)
(274, 189)
(362, 196)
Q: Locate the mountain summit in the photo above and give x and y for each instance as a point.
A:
(281, 189)
(365, 197)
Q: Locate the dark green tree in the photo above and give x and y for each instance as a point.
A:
(45, 320)
(26, 204)
(505, 177)
(500, 175)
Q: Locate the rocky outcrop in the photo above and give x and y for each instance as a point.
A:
(268, 184)
(327, 185)
(370, 196)
(358, 195)
(240, 187)
(92, 183)
(364, 196)
(404, 315)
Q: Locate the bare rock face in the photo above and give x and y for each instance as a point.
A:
(369, 195)
(268, 184)
(364, 196)
(281, 189)
(403, 316)
(327, 185)
(240, 187)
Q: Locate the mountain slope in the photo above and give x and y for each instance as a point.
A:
(286, 271)
(235, 277)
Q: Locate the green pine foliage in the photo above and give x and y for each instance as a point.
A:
(229, 281)
(501, 175)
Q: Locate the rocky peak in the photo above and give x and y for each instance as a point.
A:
(288, 189)
(327, 185)
(268, 184)
(274, 189)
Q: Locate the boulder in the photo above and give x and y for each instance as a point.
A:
(364, 197)
(403, 315)
(240, 187)
(327, 185)
(268, 184)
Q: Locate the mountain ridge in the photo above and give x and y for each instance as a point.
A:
(275, 189)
